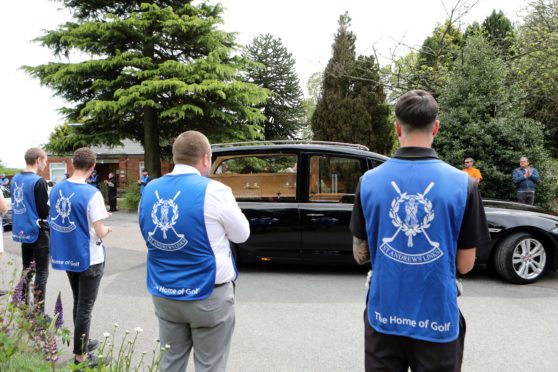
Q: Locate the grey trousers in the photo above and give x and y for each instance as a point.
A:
(527, 197)
(206, 325)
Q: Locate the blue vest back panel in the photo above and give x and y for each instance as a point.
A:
(69, 227)
(25, 226)
(180, 261)
(413, 211)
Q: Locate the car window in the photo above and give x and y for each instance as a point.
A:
(258, 177)
(333, 179)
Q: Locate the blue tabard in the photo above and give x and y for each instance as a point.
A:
(413, 211)
(144, 180)
(69, 226)
(180, 260)
(25, 226)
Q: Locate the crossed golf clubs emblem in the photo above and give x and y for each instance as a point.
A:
(411, 225)
(165, 221)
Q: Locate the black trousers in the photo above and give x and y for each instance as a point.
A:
(389, 353)
(85, 286)
(38, 252)
(112, 199)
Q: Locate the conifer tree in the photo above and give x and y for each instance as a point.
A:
(155, 69)
(275, 71)
(352, 107)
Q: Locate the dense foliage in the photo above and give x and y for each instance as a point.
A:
(275, 71)
(483, 117)
(157, 68)
(351, 106)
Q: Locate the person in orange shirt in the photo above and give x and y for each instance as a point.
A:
(473, 172)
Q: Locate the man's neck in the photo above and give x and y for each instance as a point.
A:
(31, 168)
(79, 175)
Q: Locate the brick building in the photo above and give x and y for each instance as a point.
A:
(125, 161)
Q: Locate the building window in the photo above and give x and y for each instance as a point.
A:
(141, 166)
(58, 171)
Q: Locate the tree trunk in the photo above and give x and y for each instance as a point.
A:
(152, 156)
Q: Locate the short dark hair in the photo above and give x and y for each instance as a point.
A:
(189, 147)
(33, 154)
(84, 158)
(416, 110)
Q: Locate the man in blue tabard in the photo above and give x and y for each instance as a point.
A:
(77, 214)
(187, 221)
(144, 180)
(418, 221)
(29, 223)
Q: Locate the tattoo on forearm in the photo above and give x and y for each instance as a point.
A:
(361, 251)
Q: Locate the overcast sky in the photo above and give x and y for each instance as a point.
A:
(305, 26)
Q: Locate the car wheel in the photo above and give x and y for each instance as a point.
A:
(520, 258)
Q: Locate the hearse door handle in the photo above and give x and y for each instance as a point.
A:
(315, 215)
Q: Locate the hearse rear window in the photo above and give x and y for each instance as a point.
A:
(269, 178)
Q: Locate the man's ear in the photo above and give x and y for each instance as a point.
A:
(436, 128)
(397, 128)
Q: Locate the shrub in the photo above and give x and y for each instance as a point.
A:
(132, 197)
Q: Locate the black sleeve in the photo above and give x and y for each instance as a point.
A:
(358, 224)
(474, 228)
(41, 198)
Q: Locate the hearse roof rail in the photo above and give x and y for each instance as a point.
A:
(290, 142)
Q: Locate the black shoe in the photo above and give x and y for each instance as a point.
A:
(92, 345)
(91, 361)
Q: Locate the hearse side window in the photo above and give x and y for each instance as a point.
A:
(333, 179)
(258, 177)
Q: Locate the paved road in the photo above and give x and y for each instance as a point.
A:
(310, 319)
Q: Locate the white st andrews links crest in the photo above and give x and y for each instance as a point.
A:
(19, 206)
(63, 208)
(412, 226)
(164, 216)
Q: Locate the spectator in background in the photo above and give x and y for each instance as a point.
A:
(4, 181)
(93, 180)
(525, 178)
(144, 179)
(111, 185)
(473, 172)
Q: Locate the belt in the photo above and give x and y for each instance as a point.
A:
(221, 284)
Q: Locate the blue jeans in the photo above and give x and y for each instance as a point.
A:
(85, 286)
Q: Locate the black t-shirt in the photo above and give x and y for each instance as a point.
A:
(474, 228)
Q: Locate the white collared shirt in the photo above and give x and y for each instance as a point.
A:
(224, 221)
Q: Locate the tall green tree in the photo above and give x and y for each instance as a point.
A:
(536, 66)
(275, 71)
(499, 31)
(483, 117)
(156, 69)
(351, 106)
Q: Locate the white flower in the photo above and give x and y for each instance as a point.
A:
(127, 331)
(129, 341)
(106, 335)
(100, 356)
(116, 324)
(167, 346)
(138, 330)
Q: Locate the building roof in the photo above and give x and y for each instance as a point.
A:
(129, 147)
